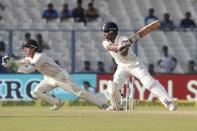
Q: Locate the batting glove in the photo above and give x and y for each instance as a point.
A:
(123, 44)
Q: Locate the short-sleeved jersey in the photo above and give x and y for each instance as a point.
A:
(48, 13)
(41, 63)
(120, 59)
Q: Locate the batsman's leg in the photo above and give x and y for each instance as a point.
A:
(158, 90)
(122, 97)
(141, 73)
(127, 94)
(120, 76)
(114, 95)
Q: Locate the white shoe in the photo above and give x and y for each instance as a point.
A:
(170, 105)
(57, 107)
(111, 108)
(104, 106)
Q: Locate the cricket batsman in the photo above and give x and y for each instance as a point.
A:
(54, 76)
(129, 64)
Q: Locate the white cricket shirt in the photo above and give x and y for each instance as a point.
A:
(120, 59)
(41, 63)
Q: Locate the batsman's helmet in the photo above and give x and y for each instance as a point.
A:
(110, 26)
(31, 43)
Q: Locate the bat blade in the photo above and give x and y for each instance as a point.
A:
(144, 31)
(149, 28)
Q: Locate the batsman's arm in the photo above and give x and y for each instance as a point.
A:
(141, 33)
(125, 51)
(112, 47)
(115, 48)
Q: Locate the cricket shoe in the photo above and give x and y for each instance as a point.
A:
(104, 106)
(170, 105)
(57, 107)
(112, 108)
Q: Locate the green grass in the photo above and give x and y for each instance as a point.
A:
(38, 118)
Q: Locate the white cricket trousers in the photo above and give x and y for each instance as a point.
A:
(139, 70)
(64, 81)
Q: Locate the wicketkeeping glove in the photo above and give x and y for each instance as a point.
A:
(5, 60)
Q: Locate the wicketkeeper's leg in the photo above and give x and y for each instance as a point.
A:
(100, 102)
(69, 85)
(41, 92)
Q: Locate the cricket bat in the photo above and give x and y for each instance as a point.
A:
(142, 32)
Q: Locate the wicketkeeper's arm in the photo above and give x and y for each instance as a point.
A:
(9, 62)
(24, 65)
(32, 66)
(27, 69)
(6, 61)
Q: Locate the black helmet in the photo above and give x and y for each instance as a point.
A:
(31, 43)
(110, 26)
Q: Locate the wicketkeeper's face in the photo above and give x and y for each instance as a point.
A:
(28, 51)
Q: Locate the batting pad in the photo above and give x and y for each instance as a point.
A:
(158, 90)
(114, 95)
